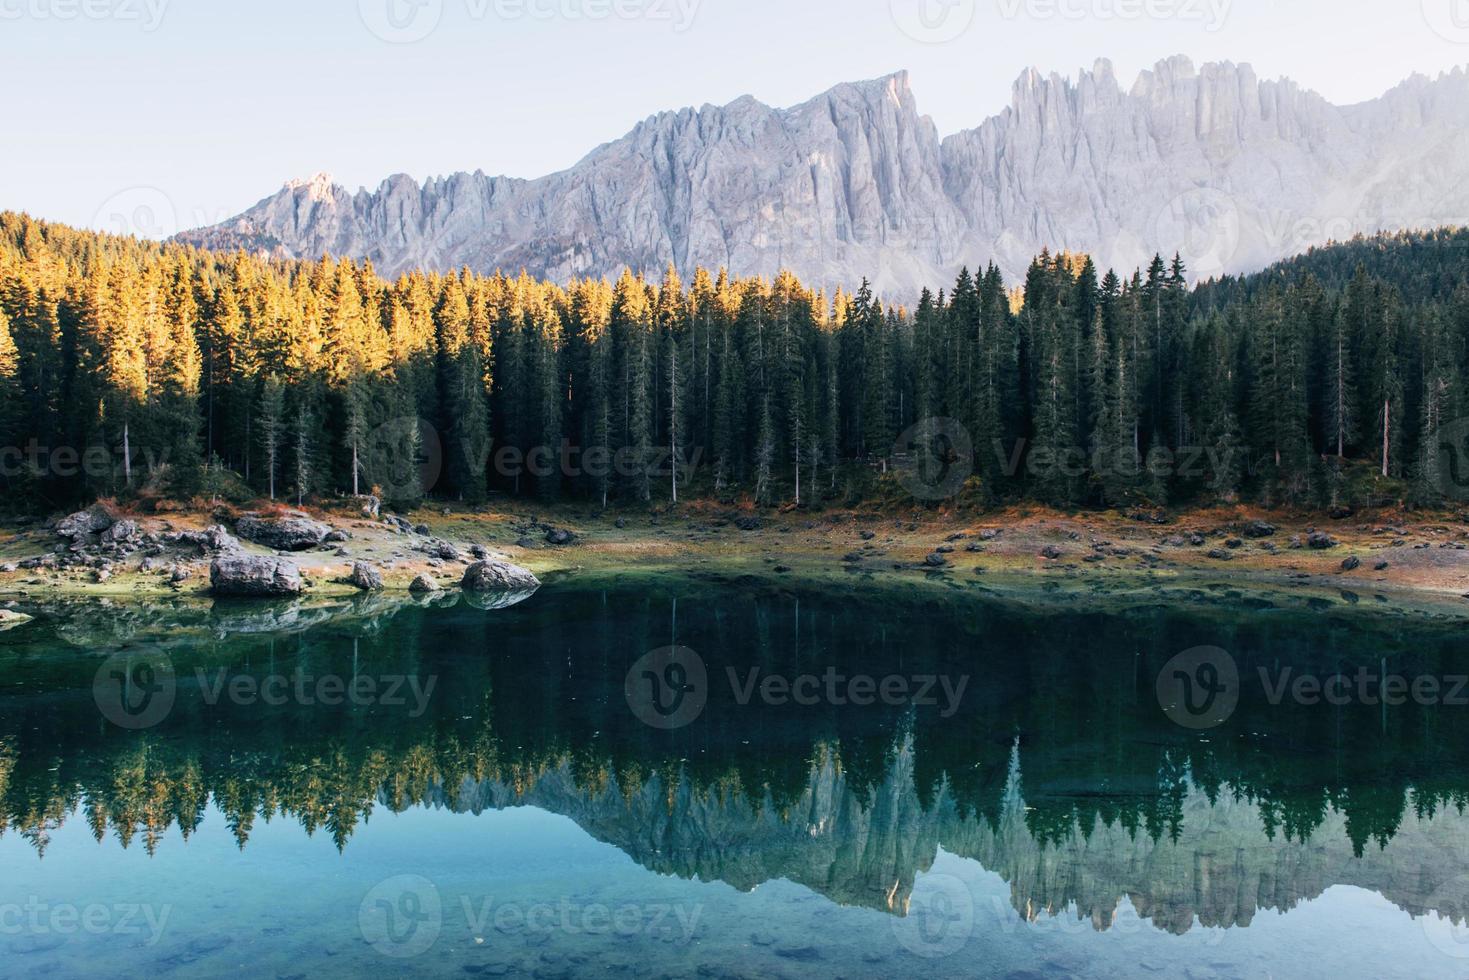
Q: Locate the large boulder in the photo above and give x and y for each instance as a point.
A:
(248, 575)
(365, 577)
(498, 576)
(293, 532)
(424, 584)
(93, 520)
(1259, 529)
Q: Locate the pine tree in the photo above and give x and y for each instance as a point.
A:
(271, 428)
(1440, 381)
(1341, 415)
(11, 412)
(1388, 384)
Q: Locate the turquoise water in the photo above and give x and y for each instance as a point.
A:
(524, 791)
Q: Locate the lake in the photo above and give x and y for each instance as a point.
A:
(733, 778)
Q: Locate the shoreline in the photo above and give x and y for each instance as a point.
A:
(1420, 564)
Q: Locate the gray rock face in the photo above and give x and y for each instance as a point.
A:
(498, 576)
(1231, 171)
(246, 575)
(290, 533)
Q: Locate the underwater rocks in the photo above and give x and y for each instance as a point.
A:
(10, 619)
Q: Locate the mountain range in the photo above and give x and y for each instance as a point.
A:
(1231, 171)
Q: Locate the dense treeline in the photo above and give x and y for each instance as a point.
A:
(134, 367)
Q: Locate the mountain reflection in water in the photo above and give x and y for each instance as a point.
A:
(1058, 771)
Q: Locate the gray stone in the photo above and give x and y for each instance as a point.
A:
(425, 583)
(294, 532)
(498, 576)
(248, 575)
(365, 577)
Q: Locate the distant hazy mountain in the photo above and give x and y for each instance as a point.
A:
(1229, 170)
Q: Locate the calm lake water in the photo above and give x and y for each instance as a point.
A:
(673, 779)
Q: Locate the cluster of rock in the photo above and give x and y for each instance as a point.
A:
(97, 540)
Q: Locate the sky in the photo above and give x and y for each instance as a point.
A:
(152, 116)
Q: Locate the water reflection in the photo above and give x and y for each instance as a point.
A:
(1059, 769)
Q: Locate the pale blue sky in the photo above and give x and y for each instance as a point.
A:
(192, 110)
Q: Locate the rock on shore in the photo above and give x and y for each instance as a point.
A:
(293, 532)
(245, 575)
(498, 576)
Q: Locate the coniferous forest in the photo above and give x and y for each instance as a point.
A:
(132, 368)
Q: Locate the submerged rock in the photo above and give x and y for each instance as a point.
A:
(247, 575)
(10, 619)
(498, 576)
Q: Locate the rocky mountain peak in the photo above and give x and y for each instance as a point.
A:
(1211, 161)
